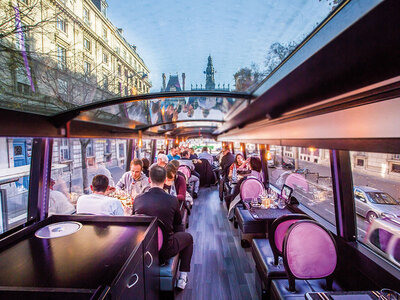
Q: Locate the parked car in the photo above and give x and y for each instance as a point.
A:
(383, 236)
(372, 203)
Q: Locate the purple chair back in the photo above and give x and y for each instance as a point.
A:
(309, 252)
(186, 172)
(160, 238)
(251, 188)
(278, 231)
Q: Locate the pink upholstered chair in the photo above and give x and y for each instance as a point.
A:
(251, 188)
(186, 172)
(278, 231)
(309, 252)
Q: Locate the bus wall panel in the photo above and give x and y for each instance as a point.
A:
(352, 128)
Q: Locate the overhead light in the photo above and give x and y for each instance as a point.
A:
(140, 141)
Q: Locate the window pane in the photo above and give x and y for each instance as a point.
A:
(308, 172)
(15, 161)
(376, 195)
(70, 178)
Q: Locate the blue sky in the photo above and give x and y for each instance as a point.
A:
(177, 36)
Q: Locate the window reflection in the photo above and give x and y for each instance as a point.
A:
(70, 178)
(376, 196)
(15, 161)
(308, 172)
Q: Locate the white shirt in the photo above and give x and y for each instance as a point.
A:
(99, 205)
(59, 204)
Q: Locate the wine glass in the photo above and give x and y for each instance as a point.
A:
(388, 294)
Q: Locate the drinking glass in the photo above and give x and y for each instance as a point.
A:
(387, 294)
(254, 202)
(281, 203)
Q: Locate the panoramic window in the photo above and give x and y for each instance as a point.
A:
(376, 185)
(308, 172)
(15, 166)
(74, 164)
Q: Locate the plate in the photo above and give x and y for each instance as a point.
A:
(58, 230)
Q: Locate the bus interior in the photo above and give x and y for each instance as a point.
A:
(323, 121)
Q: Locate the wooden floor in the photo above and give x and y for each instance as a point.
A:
(221, 268)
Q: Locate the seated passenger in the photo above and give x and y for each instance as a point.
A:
(173, 154)
(186, 161)
(162, 160)
(175, 184)
(156, 202)
(255, 167)
(146, 166)
(192, 154)
(134, 181)
(98, 203)
(58, 202)
(205, 155)
(239, 163)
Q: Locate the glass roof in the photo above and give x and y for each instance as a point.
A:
(169, 113)
(72, 56)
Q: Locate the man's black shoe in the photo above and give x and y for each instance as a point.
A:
(195, 195)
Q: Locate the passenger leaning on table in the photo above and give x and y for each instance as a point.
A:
(134, 181)
(156, 202)
(98, 203)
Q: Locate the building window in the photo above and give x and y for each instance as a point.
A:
(121, 148)
(61, 57)
(61, 24)
(119, 70)
(24, 89)
(105, 58)
(89, 149)
(105, 34)
(396, 168)
(64, 150)
(86, 16)
(105, 81)
(87, 68)
(120, 87)
(360, 162)
(126, 90)
(86, 44)
(107, 146)
(104, 6)
(117, 49)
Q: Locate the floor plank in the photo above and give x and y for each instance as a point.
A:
(221, 268)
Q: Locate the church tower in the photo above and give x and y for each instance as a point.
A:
(210, 81)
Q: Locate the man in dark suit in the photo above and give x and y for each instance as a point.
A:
(226, 162)
(156, 202)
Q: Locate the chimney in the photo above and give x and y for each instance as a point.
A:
(183, 81)
(163, 81)
(120, 30)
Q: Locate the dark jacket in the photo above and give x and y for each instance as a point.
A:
(207, 176)
(180, 186)
(156, 202)
(226, 161)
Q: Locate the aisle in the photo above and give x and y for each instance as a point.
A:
(221, 268)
